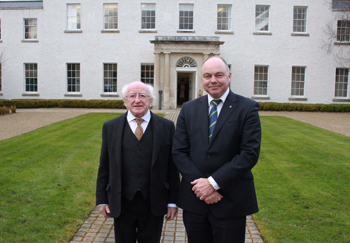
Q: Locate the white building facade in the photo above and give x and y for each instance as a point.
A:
(278, 51)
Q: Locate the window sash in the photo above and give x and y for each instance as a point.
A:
(298, 81)
(343, 30)
(148, 13)
(73, 16)
(186, 17)
(224, 18)
(262, 18)
(299, 19)
(31, 77)
(110, 75)
(30, 29)
(147, 73)
(73, 77)
(341, 4)
(260, 80)
(110, 16)
(341, 82)
(0, 77)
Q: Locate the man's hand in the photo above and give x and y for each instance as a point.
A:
(202, 188)
(171, 213)
(213, 198)
(104, 209)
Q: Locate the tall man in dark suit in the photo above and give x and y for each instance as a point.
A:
(137, 180)
(217, 188)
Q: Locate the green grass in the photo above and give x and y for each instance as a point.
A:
(48, 178)
(303, 183)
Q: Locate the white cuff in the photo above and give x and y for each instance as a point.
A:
(213, 183)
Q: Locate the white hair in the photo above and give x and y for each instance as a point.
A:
(150, 89)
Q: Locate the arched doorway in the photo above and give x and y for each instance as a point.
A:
(186, 68)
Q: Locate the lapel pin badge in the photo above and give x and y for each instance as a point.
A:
(230, 106)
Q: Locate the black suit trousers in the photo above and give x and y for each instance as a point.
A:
(206, 228)
(136, 222)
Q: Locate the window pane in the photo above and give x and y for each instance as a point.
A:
(31, 77)
(262, 18)
(298, 81)
(73, 16)
(110, 16)
(110, 77)
(260, 80)
(224, 17)
(299, 20)
(147, 73)
(73, 77)
(186, 17)
(341, 82)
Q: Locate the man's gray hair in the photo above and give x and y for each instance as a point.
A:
(126, 86)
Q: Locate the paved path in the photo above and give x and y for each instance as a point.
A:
(98, 229)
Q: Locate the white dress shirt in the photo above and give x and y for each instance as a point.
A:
(219, 107)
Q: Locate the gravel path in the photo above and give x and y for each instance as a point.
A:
(26, 120)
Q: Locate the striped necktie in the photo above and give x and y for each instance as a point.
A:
(213, 116)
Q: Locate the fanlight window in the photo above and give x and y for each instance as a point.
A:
(186, 62)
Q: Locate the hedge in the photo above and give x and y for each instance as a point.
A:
(119, 104)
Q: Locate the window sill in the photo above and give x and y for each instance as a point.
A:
(224, 32)
(186, 31)
(341, 100)
(30, 41)
(110, 31)
(73, 31)
(148, 31)
(73, 95)
(262, 33)
(31, 94)
(260, 98)
(299, 34)
(345, 43)
(297, 99)
(109, 95)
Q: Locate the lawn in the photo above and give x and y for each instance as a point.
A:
(48, 177)
(303, 183)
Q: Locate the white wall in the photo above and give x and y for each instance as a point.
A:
(129, 48)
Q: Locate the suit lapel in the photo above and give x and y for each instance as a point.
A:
(157, 127)
(118, 139)
(227, 109)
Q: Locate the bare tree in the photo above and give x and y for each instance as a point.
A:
(337, 38)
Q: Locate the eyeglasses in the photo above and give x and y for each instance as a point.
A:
(140, 96)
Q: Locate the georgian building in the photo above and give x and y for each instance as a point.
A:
(278, 51)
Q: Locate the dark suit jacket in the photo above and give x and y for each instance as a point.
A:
(229, 157)
(164, 175)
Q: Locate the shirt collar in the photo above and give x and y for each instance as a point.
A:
(222, 98)
(146, 117)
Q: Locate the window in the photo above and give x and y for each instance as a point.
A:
(73, 16)
(110, 16)
(0, 77)
(148, 13)
(341, 4)
(31, 77)
(299, 19)
(224, 17)
(186, 17)
(73, 77)
(343, 30)
(110, 77)
(147, 73)
(298, 81)
(30, 29)
(262, 18)
(260, 80)
(341, 82)
(0, 29)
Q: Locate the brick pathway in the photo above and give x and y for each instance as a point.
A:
(98, 229)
